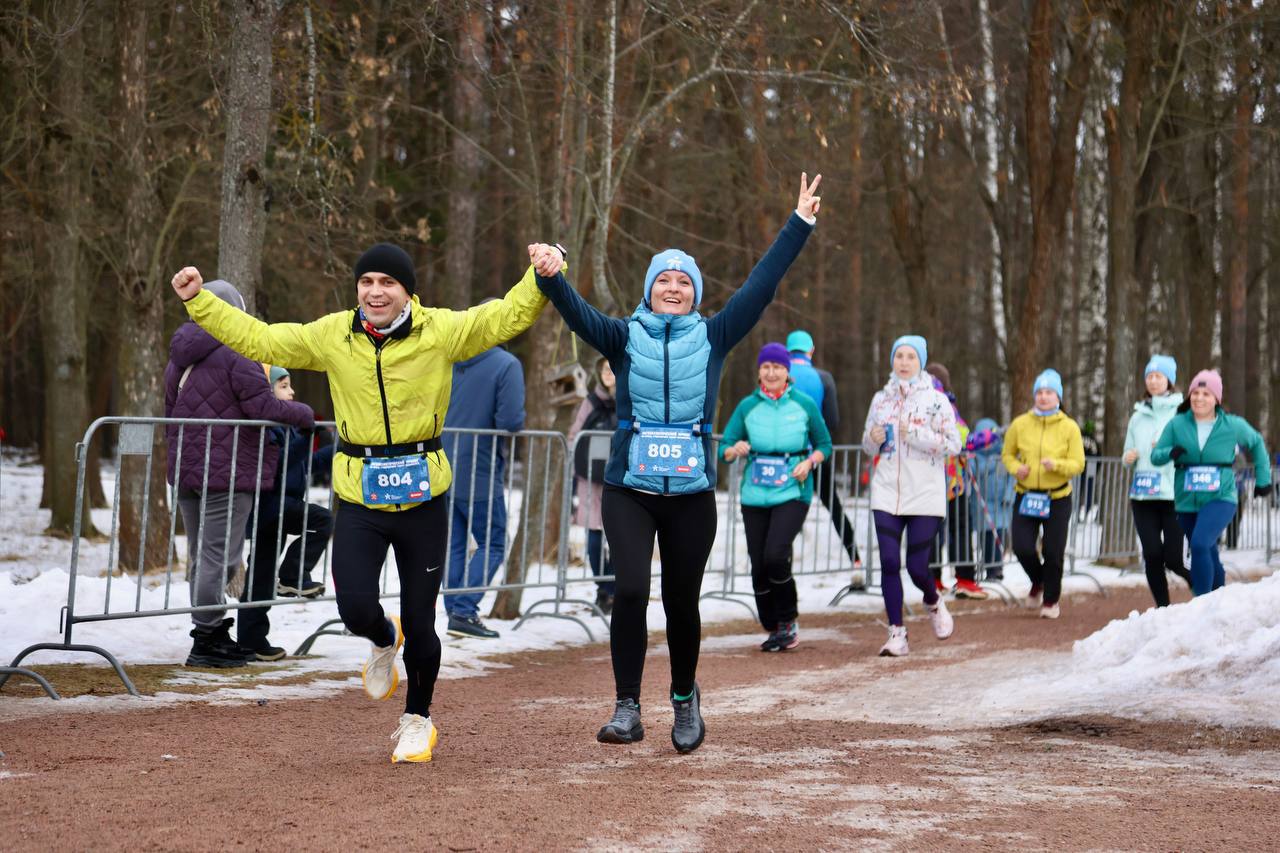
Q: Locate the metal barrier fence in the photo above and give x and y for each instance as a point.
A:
(530, 499)
(497, 503)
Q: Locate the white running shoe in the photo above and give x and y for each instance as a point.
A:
(415, 738)
(1049, 611)
(896, 647)
(379, 674)
(943, 625)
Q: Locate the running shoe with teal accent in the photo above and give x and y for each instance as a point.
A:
(688, 731)
(787, 636)
(379, 674)
(625, 725)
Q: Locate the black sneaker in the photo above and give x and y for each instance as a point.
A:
(625, 725)
(604, 601)
(771, 642)
(211, 649)
(688, 731)
(470, 626)
(293, 589)
(786, 637)
(268, 652)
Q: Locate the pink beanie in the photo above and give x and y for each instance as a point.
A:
(1211, 381)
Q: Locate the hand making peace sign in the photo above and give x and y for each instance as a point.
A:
(808, 203)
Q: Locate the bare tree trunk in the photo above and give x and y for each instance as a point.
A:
(855, 403)
(1051, 172)
(63, 310)
(906, 218)
(470, 118)
(246, 195)
(1123, 122)
(1235, 333)
(141, 306)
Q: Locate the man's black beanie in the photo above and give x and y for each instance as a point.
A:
(389, 260)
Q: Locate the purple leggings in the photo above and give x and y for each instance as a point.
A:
(920, 531)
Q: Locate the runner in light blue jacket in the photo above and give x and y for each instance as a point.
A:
(1151, 491)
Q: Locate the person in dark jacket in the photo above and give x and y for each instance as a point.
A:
(216, 491)
(599, 412)
(820, 385)
(661, 476)
(283, 511)
(488, 393)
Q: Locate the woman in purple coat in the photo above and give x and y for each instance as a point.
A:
(217, 471)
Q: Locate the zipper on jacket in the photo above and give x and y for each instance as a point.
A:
(666, 391)
(382, 392)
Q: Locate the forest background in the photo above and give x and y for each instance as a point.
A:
(1028, 183)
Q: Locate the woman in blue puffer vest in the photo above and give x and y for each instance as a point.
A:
(661, 476)
(781, 433)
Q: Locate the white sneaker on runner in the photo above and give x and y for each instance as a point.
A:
(896, 646)
(415, 738)
(943, 624)
(379, 674)
(1049, 611)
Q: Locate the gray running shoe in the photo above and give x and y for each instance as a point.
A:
(625, 725)
(688, 731)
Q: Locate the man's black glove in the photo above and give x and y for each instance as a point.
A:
(1262, 491)
(1177, 452)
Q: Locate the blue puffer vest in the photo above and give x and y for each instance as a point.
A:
(667, 357)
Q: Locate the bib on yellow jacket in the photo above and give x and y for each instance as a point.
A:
(415, 372)
(1031, 439)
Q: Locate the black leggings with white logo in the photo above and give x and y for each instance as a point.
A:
(417, 536)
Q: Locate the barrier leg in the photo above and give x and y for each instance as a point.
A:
(530, 612)
(13, 669)
(17, 670)
(322, 631)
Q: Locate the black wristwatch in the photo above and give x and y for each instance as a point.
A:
(564, 253)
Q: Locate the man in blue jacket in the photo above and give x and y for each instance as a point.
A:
(488, 393)
(821, 386)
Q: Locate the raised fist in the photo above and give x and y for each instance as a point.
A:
(187, 283)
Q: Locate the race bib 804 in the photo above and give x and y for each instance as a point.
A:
(398, 480)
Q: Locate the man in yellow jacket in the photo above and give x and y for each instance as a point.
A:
(390, 366)
(1043, 451)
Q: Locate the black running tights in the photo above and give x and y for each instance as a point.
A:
(360, 541)
(685, 527)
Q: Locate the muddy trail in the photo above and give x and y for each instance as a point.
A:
(823, 747)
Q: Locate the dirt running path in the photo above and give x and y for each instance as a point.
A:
(799, 754)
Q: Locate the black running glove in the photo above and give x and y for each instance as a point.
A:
(1262, 491)
(1176, 453)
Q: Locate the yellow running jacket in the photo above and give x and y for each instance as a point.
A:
(1031, 439)
(395, 395)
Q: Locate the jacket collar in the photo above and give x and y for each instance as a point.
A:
(656, 324)
(399, 334)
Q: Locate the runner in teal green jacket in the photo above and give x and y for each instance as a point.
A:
(780, 432)
(1201, 441)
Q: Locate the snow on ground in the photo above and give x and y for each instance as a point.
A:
(1215, 658)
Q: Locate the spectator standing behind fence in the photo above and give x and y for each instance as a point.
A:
(782, 435)
(820, 385)
(659, 483)
(1092, 452)
(283, 511)
(911, 425)
(1042, 450)
(488, 393)
(205, 379)
(991, 505)
(955, 533)
(1151, 489)
(389, 362)
(599, 412)
(1201, 441)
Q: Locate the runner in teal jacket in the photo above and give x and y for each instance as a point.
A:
(780, 432)
(1201, 440)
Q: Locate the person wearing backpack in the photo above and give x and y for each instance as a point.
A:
(598, 412)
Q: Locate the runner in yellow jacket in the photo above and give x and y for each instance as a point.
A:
(390, 367)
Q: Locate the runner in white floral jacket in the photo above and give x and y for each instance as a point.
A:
(912, 428)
